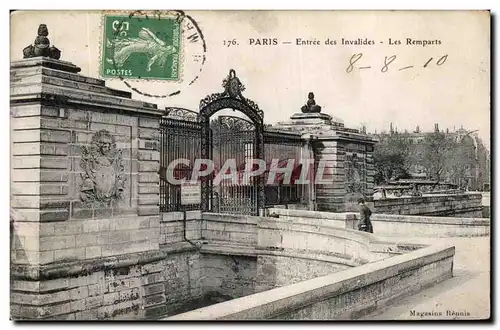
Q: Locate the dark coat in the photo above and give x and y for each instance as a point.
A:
(364, 223)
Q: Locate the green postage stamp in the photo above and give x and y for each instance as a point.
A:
(141, 47)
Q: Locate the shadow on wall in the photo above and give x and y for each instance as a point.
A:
(17, 251)
(267, 274)
(208, 299)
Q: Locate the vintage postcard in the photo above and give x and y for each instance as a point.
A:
(250, 165)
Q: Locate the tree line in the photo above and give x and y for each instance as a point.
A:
(438, 156)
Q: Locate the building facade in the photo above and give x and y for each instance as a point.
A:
(467, 160)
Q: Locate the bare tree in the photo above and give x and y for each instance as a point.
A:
(437, 148)
(392, 157)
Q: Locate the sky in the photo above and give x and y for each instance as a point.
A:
(453, 94)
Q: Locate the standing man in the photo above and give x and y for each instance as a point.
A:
(364, 223)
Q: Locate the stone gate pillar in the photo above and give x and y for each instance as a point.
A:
(343, 155)
(84, 192)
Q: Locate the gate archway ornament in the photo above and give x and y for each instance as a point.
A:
(225, 124)
(181, 114)
(235, 124)
(230, 98)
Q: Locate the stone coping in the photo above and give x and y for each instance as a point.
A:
(314, 214)
(69, 96)
(228, 248)
(291, 206)
(337, 223)
(22, 72)
(270, 132)
(345, 136)
(372, 242)
(382, 217)
(179, 216)
(231, 218)
(72, 268)
(66, 79)
(314, 255)
(274, 302)
(309, 115)
(431, 220)
(223, 248)
(432, 198)
(46, 62)
(57, 86)
(450, 213)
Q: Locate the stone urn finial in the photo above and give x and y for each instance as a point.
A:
(310, 106)
(41, 46)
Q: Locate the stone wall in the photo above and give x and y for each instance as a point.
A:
(426, 226)
(460, 205)
(278, 270)
(123, 287)
(242, 255)
(341, 220)
(173, 228)
(348, 173)
(322, 241)
(354, 300)
(291, 251)
(229, 230)
(387, 225)
(232, 276)
(344, 295)
(485, 201)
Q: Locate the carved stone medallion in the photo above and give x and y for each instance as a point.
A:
(103, 178)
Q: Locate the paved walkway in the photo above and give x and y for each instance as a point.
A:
(467, 293)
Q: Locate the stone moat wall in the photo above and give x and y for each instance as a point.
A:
(344, 295)
(460, 205)
(180, 275)
(111, 289)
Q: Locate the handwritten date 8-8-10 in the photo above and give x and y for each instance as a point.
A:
(389, 62)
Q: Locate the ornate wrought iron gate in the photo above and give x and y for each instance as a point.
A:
(235, 140)
(185, 134)
(285, 147)
(180, 137)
